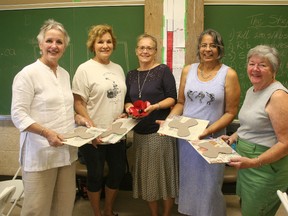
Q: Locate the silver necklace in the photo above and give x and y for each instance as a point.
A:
(209, 75)
(140, 89)
(202, 75)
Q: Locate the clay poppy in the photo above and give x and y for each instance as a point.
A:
(137, 111)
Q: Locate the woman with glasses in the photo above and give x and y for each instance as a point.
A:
(156, 170)
(208, 90)
(262, 138)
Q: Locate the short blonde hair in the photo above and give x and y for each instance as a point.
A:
(145, 35)
(98, 31)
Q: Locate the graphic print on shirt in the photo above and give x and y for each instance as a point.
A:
(190, 94)
(114, 90)
(211, 96)
(201, 97)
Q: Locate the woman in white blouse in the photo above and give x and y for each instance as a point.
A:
(42, 109)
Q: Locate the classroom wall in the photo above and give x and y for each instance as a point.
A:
(9, 147)
(9, 135)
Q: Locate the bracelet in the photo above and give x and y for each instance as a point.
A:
(42, 132)
(158, 106)
(259, 161)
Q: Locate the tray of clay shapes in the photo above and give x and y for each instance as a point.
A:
(214, 150)
(183, 127)
(118, 130)
(81, 135)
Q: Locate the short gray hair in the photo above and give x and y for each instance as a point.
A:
(52, 24)
(268, 52)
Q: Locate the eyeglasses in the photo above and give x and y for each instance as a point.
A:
(148, 49)
(211, 46)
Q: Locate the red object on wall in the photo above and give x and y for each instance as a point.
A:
(170, 49)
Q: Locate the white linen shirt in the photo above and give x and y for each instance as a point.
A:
(40, 96)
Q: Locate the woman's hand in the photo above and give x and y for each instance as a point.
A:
(80, 120)
(160, 122)
(244, 162)
(151, 108)
(127, 109)
(205, 133)
(230, 139)
(53, 138)
(226, 139)
(96, 142)
(123, 115)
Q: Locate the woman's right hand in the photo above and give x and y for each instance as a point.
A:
(80, 120)
(53, 138)
(160, 122)
(230, 139)
(226, 139)
(244, 162)
(96, 142)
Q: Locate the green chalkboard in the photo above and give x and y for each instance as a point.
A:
(19, 47)
(243, 27)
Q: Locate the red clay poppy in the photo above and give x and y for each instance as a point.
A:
(137, 111)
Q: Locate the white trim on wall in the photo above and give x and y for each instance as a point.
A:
(71, 4)
(6, 4)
